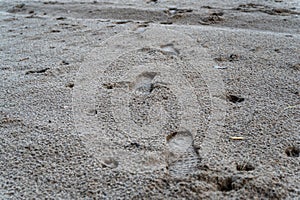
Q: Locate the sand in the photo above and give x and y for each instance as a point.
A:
(149, 99)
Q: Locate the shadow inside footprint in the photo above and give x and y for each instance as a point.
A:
(169, 49)
(182, 157)
(143, 83)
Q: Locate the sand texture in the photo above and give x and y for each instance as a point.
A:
(150, 99)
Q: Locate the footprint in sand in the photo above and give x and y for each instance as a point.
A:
(182, 157)
(143, 83)
(149, 95)
(144, 86)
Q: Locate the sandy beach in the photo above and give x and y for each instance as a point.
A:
(150, 99)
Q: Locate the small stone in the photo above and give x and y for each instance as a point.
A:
(235, 99)
(65, 62)
(70, 85)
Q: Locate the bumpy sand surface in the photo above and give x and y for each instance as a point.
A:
(150, 99)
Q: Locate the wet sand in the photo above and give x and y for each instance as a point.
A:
(149, 99)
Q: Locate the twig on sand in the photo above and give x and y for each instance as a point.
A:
(237, 138)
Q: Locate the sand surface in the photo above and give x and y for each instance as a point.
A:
(142, 99)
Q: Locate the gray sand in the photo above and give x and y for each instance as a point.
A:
(150, 99)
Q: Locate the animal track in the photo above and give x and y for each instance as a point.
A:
(182, 157)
